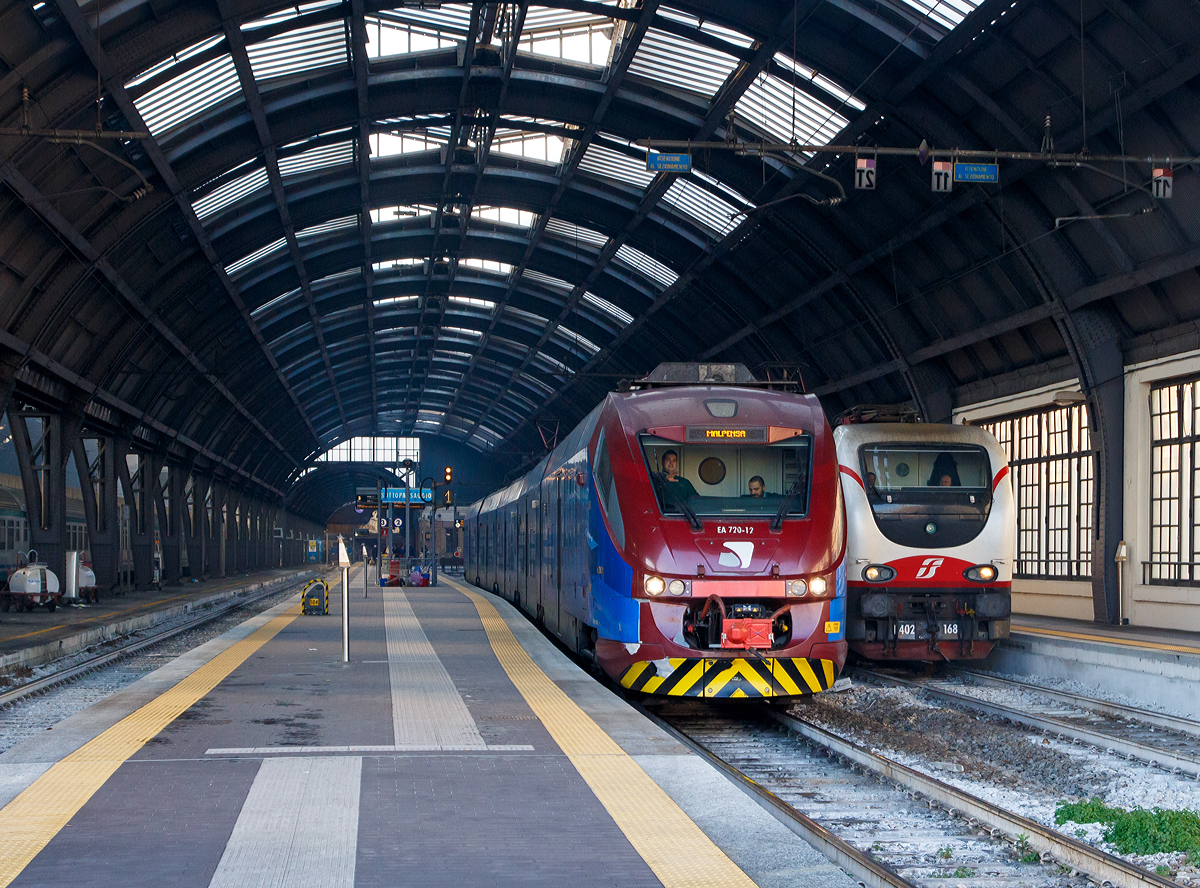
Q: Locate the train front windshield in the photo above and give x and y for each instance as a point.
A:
(927, 495)
(748, 480)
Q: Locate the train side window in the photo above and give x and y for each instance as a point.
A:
(606, 489)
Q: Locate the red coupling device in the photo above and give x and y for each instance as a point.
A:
(743, 634)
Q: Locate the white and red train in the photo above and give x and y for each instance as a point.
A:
(931, 524)
(688, 536)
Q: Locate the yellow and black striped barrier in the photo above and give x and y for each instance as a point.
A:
(730, 677)
(315, 598)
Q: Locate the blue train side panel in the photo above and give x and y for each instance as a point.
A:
(613, 611)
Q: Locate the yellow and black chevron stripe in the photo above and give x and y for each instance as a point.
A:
(315, 598)
(733, 677)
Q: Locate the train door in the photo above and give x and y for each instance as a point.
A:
(546, 598)
(532, 541)
(560, 489)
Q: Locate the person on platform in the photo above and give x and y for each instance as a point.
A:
(676, 488)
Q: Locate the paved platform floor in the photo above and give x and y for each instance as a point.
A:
(22, 632)
(457, 747)
(1148, 638)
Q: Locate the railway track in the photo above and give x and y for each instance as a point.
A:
(887, 823)
(132, 646)
(1159, 740)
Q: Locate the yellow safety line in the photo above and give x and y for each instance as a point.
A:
(1106, 639)
(32, 819)
(676, 850)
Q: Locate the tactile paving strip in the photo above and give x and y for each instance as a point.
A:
(427, 709)
(674, 847)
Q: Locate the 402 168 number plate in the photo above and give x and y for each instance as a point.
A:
(910, 631)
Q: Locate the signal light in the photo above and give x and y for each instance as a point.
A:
(449, 474)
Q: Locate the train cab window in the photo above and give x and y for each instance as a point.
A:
(730, 479)
(927, 496)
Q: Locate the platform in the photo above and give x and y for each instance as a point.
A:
(1160, 666)
(457, 747)
(29, 639)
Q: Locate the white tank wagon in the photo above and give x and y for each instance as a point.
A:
(931, 533)
(32, 585)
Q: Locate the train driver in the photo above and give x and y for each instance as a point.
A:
(758, 487)
(676, 488)
(945, 472)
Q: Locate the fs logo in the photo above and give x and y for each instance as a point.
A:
(928, 568)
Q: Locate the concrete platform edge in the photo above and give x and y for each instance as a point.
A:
(65, 647)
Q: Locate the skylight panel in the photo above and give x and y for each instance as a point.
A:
(302, 50)
(407, 30)
(546, 280)
(349, 272)
(773, 107)
(702, 206)
(396, 300)
(319, 158)
(463, 331)
(807, 73)
(608, 308)
(258, 313)
(186, 96)
(406, 211)
(406, 262)
(611, 164)
(473, 302)
(562, 34)
(487, 265)
(171, 61)
(537, 384)
(947, 13)
(570, 232)
(735, 37)
(326, 227)
(230, 193)
(246, 261)
(682, 63)
(574, 341)
(651, 268)
(393, 144)
(533, 146)
(505, 215)
(291, 12)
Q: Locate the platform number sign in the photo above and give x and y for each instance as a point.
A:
(864, 174)
(1162, 183)
(943, 176)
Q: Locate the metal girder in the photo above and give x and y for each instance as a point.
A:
(89, 42)
(56, 370)
(241, 62)
(359, 60)
(616, 75)
(32, 198)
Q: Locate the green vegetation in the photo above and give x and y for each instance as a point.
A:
(1139, 831)
(964, 872)
(1162, 870)
(945, 853)
(1023, 842)
(1031, 857)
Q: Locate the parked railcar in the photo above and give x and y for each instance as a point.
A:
(931, 524)
(689, 538)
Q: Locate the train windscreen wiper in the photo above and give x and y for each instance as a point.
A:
(692, 517)
(786, 505)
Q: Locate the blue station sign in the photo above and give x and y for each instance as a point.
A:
(669, 163)
(986, 173)
(405, 494)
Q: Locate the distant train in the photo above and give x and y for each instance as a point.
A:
(931, 524)
(688, 536)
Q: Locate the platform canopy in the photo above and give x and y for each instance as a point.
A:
(350, 217)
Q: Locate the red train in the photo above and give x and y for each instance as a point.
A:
(688, 535)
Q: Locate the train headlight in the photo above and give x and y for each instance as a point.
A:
(980, 573)
(878, 573)
(797, 587)
(818, 585)
(655, 585)
(992, 605)
(677, 587)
